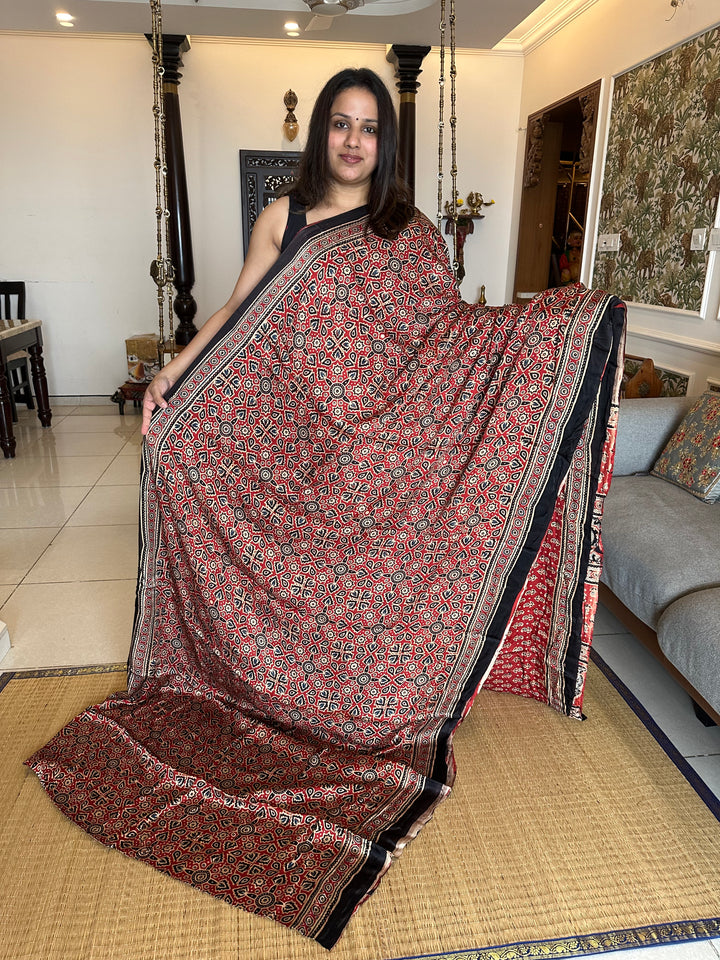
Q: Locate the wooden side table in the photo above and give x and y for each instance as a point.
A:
(21, 335)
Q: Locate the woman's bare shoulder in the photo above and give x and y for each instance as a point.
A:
(276, 212)
(270, 224)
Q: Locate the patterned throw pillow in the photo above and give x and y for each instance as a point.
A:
(691, 458)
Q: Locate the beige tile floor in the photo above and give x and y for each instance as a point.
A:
(68, 537)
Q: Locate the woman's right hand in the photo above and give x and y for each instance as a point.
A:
(155, 396)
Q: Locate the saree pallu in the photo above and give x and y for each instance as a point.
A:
(366, 499)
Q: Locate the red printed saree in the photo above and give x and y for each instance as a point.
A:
(365, 500)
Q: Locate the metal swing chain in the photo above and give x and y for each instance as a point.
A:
(453, 139)
(441, 116)
(161, 269)
(453, 214)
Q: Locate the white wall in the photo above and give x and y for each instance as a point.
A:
(489, 85)
(608, 38)
(77, 198)
(77, 184)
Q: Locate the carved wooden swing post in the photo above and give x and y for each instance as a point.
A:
(181, 253)
(407, 60)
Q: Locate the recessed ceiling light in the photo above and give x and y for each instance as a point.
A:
(65, 19)
(293, 33)
(291, 25)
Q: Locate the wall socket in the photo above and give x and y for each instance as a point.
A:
(698, 239)
(608, 242)
(714, 239)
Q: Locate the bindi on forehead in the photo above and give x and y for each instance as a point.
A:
(347, 116)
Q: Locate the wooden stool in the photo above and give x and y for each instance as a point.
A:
(130, 390)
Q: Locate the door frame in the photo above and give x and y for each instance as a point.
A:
(589, 99)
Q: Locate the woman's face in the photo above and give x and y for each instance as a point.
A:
(353, 137)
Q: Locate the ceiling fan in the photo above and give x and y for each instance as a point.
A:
(326, 10)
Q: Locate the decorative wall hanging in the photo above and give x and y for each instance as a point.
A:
(291, 126)
(459, 223)
(534, 152)
(588, 105)
(661, 177)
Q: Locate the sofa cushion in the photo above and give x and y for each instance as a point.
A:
(691, 458)
(659, 543)
(644, 428)
(689, 636)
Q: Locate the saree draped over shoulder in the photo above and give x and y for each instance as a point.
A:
(365, 500)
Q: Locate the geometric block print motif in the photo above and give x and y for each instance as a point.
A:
(362, 490)
(662, 177)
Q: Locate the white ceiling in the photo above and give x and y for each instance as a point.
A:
(480, 23)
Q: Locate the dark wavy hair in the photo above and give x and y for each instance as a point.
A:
(390, 208)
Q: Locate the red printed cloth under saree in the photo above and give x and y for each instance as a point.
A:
(366, 499)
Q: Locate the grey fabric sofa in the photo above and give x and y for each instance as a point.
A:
(661, 572)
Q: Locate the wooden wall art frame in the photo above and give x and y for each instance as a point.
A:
(262, 173)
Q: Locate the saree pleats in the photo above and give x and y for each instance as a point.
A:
(365, 499)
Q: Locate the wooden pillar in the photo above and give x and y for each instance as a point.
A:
(407, 60)
(181, 254)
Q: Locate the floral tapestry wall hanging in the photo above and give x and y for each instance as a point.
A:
(662, 178)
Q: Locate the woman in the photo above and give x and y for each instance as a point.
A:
(364, 499)
(349, 162)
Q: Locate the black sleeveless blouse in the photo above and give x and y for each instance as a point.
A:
(295, 222)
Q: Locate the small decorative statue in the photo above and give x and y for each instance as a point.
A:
(475, 201)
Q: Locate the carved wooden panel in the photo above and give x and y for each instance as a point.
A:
(262, 173)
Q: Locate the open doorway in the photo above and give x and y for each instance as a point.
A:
(556, 176)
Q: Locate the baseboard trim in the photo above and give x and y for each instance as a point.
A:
(89, 401)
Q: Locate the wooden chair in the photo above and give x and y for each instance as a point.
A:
(645, 383)
(17, 365)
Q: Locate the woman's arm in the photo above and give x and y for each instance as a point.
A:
(263, 251)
